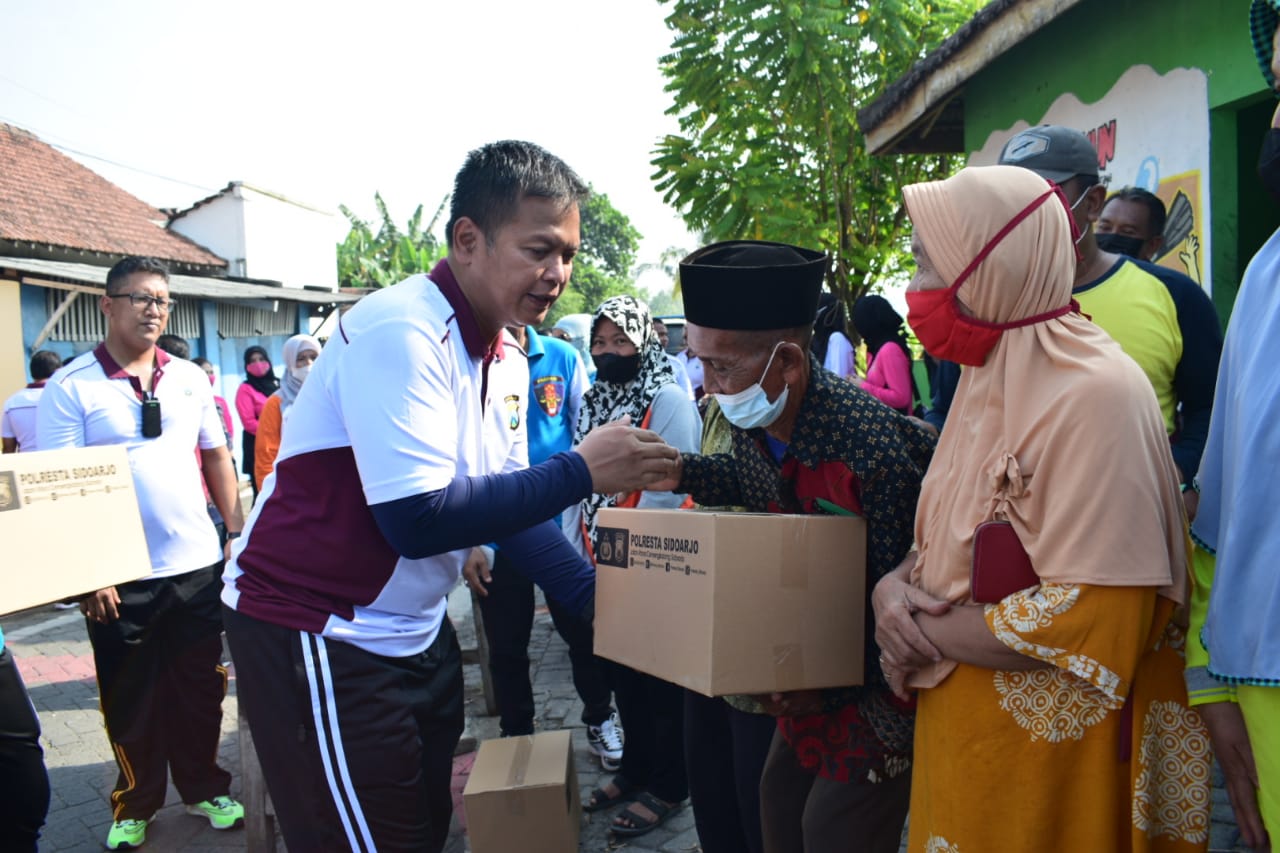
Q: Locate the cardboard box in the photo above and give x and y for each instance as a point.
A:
(69, 525)
(723, 602)
(523, 795)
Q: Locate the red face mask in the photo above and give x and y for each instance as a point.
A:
(944, 332)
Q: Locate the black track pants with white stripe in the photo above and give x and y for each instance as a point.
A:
(356, 749)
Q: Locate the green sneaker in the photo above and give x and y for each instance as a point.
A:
(127, 834)
(222, 812)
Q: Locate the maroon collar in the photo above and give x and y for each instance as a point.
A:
(39, 384)
(472, 337)
(115, 371)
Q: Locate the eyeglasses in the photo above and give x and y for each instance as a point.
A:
(142, 300)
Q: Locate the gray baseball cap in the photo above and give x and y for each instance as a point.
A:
(1053, 152)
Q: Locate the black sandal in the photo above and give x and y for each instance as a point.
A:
(599, 799)
(641, 825)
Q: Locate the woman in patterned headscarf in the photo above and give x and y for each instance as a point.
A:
(1052, 712)
(634, 379)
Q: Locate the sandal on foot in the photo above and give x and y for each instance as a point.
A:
(640, 825)
(599, 798)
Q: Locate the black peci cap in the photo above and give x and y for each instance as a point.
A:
(752, 285)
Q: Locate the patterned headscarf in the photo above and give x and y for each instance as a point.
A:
(607, 401)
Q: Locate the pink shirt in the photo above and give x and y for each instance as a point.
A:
(889, 377)
(249, 403)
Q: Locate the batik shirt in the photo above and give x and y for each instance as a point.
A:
(848, 453)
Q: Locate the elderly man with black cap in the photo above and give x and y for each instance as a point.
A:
(805, 442)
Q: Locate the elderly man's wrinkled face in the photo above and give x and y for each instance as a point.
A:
(734, 361)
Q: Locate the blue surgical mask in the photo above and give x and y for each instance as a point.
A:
(750, 408)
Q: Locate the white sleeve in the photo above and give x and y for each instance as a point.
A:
(518, 456)
(59, 419)
(678, 423)
(839, 358)
(392, 389)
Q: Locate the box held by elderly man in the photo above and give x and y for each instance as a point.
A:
(723, 602)
(70, 525)
(523, 795)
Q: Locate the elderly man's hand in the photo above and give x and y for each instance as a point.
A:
(622, 459)
(101, 606)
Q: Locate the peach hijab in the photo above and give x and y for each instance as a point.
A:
(1059, 432)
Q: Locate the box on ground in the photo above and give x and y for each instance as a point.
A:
(723, 602)
(523, 795)
(69, 523)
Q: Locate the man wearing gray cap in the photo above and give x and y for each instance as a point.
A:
(1168, 327)
(803, 441)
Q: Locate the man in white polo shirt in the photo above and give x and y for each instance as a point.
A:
(18, 425)
(157, 641)
(405, 448)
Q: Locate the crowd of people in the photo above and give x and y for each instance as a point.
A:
(1071, 596)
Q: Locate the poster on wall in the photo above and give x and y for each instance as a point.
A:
(1151, 131)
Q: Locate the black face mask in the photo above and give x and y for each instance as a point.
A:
(1120, 244)
(1269, 163)
(619, 369)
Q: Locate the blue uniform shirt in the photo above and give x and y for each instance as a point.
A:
(557, 381)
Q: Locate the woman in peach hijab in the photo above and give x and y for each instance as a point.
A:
(1053, 717)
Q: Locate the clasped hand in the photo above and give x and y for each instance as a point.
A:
(624, 459)
(904, 648)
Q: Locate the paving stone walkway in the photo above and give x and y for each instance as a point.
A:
(53, 652)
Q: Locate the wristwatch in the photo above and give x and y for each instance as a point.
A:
(233, 534)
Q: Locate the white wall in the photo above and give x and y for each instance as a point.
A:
(290, 243)
(267, 237)
(218, 225)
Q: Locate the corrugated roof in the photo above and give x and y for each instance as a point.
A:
(923, 110)
(231, 187)
(48, 199)
(204, 287)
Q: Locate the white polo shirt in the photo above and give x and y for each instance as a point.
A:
(19, 420)
(91, 402)
(405, 397)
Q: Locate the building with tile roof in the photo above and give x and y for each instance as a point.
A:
(62, 226)
(55, 208)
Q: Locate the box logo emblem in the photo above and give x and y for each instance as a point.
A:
(612, 550)
(8, 492)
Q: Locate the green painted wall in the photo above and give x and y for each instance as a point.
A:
(1088, 48)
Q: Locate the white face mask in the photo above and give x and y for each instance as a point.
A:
(300, 372)
(750, 408)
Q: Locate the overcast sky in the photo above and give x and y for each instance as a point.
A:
(326, 103)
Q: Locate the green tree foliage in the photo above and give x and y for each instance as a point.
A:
(369, 259)
(603, 265)
(769, 148)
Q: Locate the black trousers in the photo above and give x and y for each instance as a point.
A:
(356, 748)
(161, 684)
(725, 750)
(24, 783)
(652, 712)
(508, 622)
